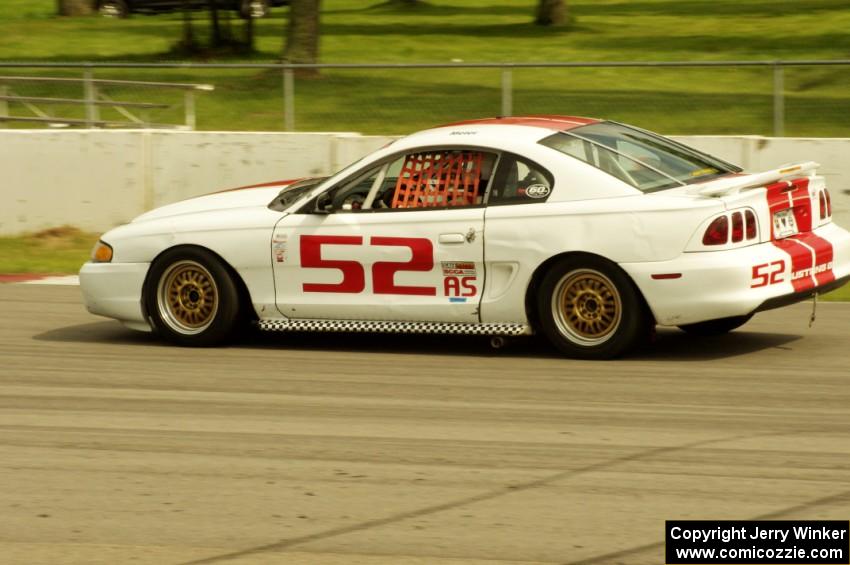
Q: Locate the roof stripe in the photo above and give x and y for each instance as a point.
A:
(554, 122)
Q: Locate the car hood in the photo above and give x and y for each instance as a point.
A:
(245, 197)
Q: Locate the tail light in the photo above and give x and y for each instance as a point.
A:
(728, 230)
(822, 199)
(737, 227)
(717, 232)
(751, 224)
(828, 203)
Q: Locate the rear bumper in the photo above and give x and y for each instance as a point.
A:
(780, 301)
(114, 290)
(721, 284)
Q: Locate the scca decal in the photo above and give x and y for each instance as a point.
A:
(383, 272)
(459, 280)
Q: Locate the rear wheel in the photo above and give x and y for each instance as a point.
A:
(590, 309)
(192, 298)
(716, 327)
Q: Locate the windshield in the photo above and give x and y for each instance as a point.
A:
(644, 160)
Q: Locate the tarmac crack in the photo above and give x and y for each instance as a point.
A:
(436, 508)
(823, 501)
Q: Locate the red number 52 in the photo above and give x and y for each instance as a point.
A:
(762, 278)
(383, 272)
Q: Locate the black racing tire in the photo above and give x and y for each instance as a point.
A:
(254, 9)
(590, 309)
(719, 326)
(191, 298)
(113, 8)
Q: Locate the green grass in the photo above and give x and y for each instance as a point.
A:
(838, 295)
(677, 101)
(57, 250)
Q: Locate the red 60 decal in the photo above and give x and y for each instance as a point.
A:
(768, 273)
(383, 272)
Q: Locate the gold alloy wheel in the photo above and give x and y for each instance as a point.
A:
(586, 307)
(187, 297)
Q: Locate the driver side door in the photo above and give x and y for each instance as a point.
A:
(402, 241)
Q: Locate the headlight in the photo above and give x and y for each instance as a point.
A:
(102, 253)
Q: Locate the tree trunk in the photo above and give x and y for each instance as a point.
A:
(302, 34)
(214, 23)
(75, 7)
(188, 41)
(551, 13)
(249, 35)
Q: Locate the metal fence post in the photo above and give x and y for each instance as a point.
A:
(4, 104)
(189, 108)
(288, 99)
(778, 101)
(90, 95)
(507, 92)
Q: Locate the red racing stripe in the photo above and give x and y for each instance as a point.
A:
(801, 263)
(823, 256)
(801, 203)
(803, 214)
(778, 198)
(811, 255)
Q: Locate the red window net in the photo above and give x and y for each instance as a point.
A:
(446, 178)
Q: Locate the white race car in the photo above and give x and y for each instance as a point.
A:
(589, 231)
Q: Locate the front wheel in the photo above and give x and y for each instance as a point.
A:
(719, 326)
(191, 298)
(590, 309)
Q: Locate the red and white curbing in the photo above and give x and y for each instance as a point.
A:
(29, 278)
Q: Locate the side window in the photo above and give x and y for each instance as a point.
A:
(519, 181)
(441, 179)
(432, 179)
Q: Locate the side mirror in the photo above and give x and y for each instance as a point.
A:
(324, 205)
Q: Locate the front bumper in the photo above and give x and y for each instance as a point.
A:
(114, 290)
(720, 284)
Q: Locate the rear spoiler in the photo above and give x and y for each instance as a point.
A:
(736, 184)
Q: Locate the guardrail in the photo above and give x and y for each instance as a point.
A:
(289, 74)
(93, 99)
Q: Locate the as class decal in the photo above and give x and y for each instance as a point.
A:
(459, 280)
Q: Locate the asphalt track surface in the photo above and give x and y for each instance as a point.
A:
(338, 449)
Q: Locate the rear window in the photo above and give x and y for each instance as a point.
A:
(644, 160)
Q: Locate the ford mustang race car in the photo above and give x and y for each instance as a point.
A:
(590, 232)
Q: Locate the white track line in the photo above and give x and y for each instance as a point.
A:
(67, 280)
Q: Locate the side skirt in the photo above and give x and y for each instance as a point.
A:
(284, 325)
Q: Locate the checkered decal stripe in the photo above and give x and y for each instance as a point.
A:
(392, 327)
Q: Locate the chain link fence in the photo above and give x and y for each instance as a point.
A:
(794, 98)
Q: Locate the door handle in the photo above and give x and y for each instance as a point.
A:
(452, 238)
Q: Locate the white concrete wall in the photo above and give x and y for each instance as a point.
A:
(97, 179)
(755, 153)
